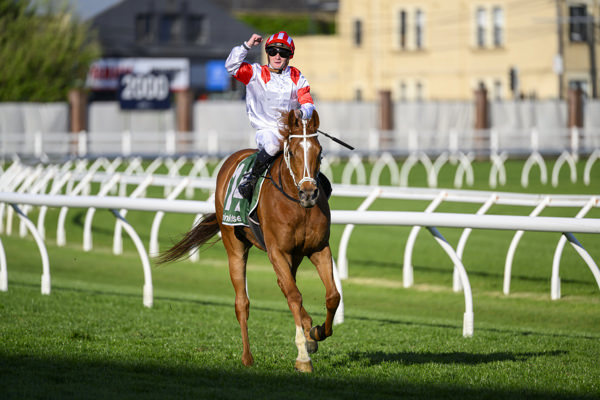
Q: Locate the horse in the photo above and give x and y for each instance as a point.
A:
(294, 215)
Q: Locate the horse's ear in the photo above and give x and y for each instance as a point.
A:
(315, 120)
(292, 119)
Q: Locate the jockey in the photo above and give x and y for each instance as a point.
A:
(270, 89)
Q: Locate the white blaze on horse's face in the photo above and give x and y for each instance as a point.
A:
(306, 156)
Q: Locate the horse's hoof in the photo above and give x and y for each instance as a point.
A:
(303, 366)
(312, 346)
(248, 361)
(317, 333)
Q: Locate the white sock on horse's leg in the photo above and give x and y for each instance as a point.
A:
(301, 344)
(303, 362)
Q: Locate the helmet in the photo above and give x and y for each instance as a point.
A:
(281, 39)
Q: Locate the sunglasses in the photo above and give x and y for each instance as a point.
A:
(284, 53)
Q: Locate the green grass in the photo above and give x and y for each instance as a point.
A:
(91, 338)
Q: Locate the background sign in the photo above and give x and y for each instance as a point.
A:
(105, 73)
(144, 91)
(217, 77)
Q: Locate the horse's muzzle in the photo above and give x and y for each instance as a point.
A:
(308, 195)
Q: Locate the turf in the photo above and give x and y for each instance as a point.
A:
(91, 338)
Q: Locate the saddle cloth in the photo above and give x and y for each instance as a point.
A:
(236, 209)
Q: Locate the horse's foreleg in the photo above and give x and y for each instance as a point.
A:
(237, 254)
(323, 261)
(287, 283)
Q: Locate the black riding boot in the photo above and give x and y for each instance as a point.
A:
(246, 188)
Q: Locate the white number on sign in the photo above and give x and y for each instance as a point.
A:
(145, 87)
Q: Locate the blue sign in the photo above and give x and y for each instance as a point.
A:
(217, 77)
(144, 91)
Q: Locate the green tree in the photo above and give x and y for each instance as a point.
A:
(44, 50)
(295, 25)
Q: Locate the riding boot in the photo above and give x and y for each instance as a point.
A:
(246, 188)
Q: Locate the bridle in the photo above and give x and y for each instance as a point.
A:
(286, 156)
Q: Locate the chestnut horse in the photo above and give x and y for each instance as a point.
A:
(294, 216)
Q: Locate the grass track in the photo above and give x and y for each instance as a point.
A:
(93, 339)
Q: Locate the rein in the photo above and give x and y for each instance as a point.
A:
(280, 186)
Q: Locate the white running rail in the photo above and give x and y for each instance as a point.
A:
(428, 219)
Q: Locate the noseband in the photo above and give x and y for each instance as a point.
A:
(286, 156)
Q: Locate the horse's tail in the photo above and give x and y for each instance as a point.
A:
(195, 237)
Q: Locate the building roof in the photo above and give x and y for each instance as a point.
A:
(282, 6)
(196, 29)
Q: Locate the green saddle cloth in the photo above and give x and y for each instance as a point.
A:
(236, 209)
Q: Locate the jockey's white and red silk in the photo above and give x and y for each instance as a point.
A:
(267, 94)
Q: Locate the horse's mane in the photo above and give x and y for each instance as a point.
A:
(288, 123)
(284, 123)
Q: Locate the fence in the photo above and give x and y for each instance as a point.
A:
(481, 143)
(220, 127)
(355, 166)
(487, 200)
(20, 184)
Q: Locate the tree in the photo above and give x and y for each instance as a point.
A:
(44, 50)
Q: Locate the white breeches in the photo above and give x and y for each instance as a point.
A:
(270, 140)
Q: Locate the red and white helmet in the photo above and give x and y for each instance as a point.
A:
(281, 39)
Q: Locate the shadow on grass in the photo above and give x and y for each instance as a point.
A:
(411, 358)
(33, 377)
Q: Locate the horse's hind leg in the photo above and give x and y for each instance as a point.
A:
(311, 345)
(237, 253)
(323, 261)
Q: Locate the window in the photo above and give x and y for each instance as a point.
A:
(402, 30)
(144, 28)
(419, 28)
(419, 91)
(480, 19)
(357, 32)
(195, 29)
(578, 21)
(497, 90)
(358, 95)
(411, 26)
(498, 14)
(403, 93)
(169, 28)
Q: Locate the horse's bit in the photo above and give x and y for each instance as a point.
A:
(286, 155)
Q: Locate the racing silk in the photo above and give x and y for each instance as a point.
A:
(268, 93)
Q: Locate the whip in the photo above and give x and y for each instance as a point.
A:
(346, 145)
